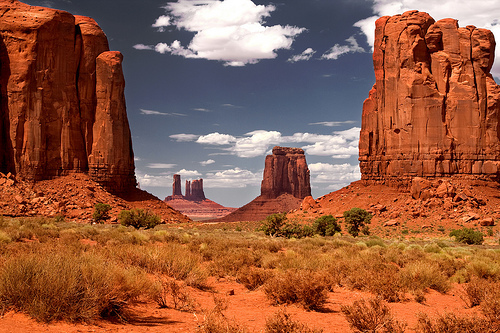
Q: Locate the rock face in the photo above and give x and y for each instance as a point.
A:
(176, 186)
(285, 184)
(434, 109)
(286, 171)
(62, 106)
(194, 190)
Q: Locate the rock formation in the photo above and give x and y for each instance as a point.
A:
(194, 203)
(194, 190)
(176, 186)
(285, 184)
(286, 171)
(434, 109)
(62, 106)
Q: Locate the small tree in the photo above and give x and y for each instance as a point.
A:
(356, 220)
(468, 236)
(101, 212)
(273, 224)
(138, 218)
(326, 226)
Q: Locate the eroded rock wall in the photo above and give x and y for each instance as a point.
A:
(434, 109)
(62, 107)
(286, 171)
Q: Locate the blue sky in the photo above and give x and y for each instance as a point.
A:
(213, 85)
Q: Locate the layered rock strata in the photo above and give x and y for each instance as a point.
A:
(286, 171)
(286, 182)
(434, 109)
(62, 106)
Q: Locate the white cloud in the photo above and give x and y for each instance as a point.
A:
(143, 47)
(340, 144)
(161, 22)
(232, 178)
(161, 166)
(336, 175)
(148, 180)
(216, 139)
(202, 110)
(188, 173)
(207, 162)
(304, 56)
(158, 113)
(337, 50)
(184, 137)
(256, 144)
(334, 123)
(482, 14)
(231, 31)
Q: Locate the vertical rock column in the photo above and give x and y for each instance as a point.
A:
(286, 171)
(111, 161)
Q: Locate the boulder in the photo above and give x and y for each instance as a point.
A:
(309, 203)
(487, 222)
(434, 109)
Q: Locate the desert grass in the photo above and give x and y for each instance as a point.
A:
(371, 315)
(163, 263)
(282, 322)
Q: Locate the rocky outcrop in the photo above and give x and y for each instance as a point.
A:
(62, 106)
(194, 190)
(434, 109)
(286, 171)
(194, 203)
(286, 182)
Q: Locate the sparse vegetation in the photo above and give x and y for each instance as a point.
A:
(468, 236)
(101, 212)
(139, 218)
(282, 322)
(165, 265)
(357, 221)
(371, 315)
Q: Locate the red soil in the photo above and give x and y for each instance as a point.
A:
(248, 308)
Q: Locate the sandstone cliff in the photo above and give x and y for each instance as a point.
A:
(285, 183)
(434, 109)
(286, 171)
(62, 107)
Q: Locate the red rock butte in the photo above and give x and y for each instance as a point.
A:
(434, 109)
(62, 104)
(285, 184)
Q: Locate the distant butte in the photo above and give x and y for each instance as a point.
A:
(285, 184)
(194, 204)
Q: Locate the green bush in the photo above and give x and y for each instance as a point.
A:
(138, 218)
(101, 212)
(326, 226)
(467, 236)
(356, 221)
(273, 224)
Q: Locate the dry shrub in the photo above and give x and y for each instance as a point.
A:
(215, 321)
(282, 322)
(372, 315)
(173, 294)
(297, 286)
(171, 259)
(450, 323)
(67, 286)
(253, 277)
(474, 292)
(230, 262)
(420, 275)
